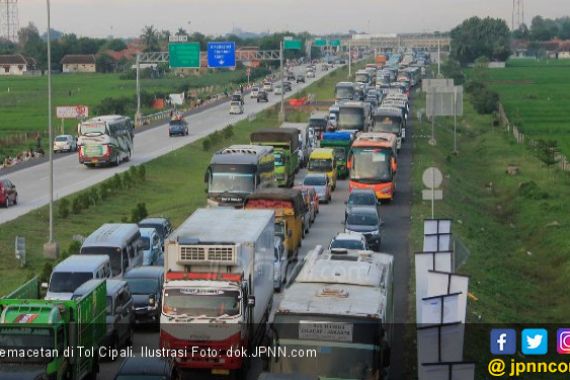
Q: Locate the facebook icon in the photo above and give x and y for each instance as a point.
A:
(503, 342)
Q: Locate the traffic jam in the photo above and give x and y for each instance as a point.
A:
(235, 291)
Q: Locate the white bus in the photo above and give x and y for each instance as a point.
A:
(105, 140)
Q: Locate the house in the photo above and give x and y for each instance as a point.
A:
(16, 64)
(78, 63)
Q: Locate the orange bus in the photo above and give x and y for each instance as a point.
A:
(373, 164)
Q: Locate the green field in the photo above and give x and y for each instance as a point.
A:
(24, 99)
(536, 97)
(515, 227)
(165, 193)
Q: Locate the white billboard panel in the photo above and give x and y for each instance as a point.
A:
(424, 262)
(440, 309)
(449, 371)
(448, 283)
(436, 344)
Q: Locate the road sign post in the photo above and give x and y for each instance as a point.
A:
(432, 179)
(221, 54)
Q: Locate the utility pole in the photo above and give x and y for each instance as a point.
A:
(455, 119)
(282, 109)
(138, 114)
(349, 60)
(438, 59)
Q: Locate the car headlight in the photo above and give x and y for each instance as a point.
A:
(151, 300)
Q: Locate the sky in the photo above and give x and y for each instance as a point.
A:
(126, 18)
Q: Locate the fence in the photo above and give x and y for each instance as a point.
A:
(562, 161)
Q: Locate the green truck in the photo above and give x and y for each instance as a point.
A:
(341, 142)
(286, 149)
(51, 339)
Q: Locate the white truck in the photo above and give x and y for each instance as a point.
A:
(218, 288)
(338, 312)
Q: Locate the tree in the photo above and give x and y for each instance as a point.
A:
(150, 38)
(542, 29)
(181, 32)
(522, 33)
(31, 44)
(116, 45)
(547, 152)
(452, 69)
(105, 64)
(7, 47)
(477, 37)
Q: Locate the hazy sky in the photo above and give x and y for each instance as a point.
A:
(126, 18)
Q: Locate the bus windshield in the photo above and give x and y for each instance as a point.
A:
(351, 118)
(388, 124)
(201, 302)
(371, 165)
(231, 182)
(320, 165)
(114, 254)
(93, 128)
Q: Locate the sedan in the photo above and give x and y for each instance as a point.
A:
(321, 184)
(178, 127)
(351, 240)
(8, 193)
(262, 96)
(65, 143)
(365, 220)
(300, 78)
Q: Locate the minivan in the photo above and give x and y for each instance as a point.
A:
(145, 284)
(151, 245)
(121, 242)
(73, 272)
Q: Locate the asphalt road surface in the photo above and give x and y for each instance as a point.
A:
(69, 176)
(396, 216)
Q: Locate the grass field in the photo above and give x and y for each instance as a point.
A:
(536, 95)
(165, 193)
(515, 229)
(24, 99)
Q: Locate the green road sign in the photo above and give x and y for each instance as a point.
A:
(184, 54)
(292, 44)
(320, 42)
(334, 43)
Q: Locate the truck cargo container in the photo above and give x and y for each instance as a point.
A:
(285, 142)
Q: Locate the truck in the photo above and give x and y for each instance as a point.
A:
(285, 143)
(354, 115)
(341, 143)
(218, 288)
(236, 171)
(339, 311)
(307, 141)
(344, 91)
(55, 339)
(289, 206)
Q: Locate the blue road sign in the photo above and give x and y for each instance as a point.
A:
(221, 54)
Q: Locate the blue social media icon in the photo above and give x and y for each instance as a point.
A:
(503, 341)
(534, 341)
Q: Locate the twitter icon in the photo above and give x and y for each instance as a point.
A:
(534, 341)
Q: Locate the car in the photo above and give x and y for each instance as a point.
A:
(290, 76)
(361, 197)
(254, 92)
(151, 245)
(350, 240)
(145, 284)
(65, 143)
(147, 368)
(278, 89)
(325, 67)
(372, 100)
(162, 226)
(279, 264)
(237, 97)
(236, 107)
(310, 74)
(262, 96)
(287, 86)
(365, 220)
(267, 86)
(177, 126)
(309, 201)
(8, 193)
(300, 78)
(321, 183)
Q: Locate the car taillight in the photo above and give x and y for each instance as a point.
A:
(107, 151)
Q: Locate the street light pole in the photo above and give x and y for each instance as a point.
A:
(282, 109)
(349, 60)
(50, 128)
(138, 114)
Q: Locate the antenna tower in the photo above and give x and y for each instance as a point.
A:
(518, 14)
(9, 22)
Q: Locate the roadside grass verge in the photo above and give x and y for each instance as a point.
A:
(514, 226)
(173, 188)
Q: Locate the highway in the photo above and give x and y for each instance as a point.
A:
(69, 176)
(396, 231)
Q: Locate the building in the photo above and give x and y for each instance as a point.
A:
(16, 64)
(79, 63)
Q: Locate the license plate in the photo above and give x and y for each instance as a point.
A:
(217, 371)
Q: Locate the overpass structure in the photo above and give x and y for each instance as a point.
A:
(418, 41)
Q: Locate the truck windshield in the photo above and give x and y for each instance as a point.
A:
(280, 229)
(142, 285)
(351, 118)
(388, 124)
(363, 78)
(320, 165)
(114, 254)
(344, 92)
(30, 338)
(371, 165)
(339, 154)
(201, 302)
(231, 182)
(278, 159)
(68, 282)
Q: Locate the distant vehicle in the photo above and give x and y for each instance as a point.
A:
(355, 115)
(366, 221)
(344, 91)
(341, 142)
(322, 160)
(145, 284)
(151, 245)
(287, 86)
(279, 264)
(372, 100)
(290, 75)
(162, 225)
(350, 240)
(178, 126)
(262, 96)
(237, 97)
(362, 76)
(8, 193)
(362, 197)
(300, 78)
(310, 74)
(105, 140)
(147, 368)
(318, 121)
(320, 182)
(65, 143)
(236, 107)
(278, 89)
(325, 67)
(254, 92)
(390, 120)
(267, 86)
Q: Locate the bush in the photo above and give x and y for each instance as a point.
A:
(84, 200)
(116, 183)
(139, 213)
(76, 205)
(228, 131)
(72, 249)
(127, 180)
(142, 173)
(206, 144)
(104, 191)
(63, 208)
(216, 137)
(484, 101)
(530, 190)
(94, 196)
(46, 272)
